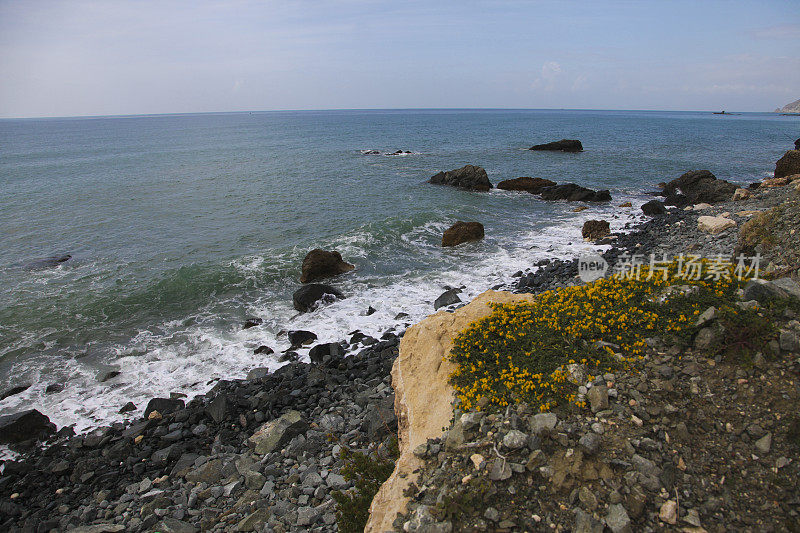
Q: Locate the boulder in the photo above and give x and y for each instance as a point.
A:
(788, 164)
(462, 232)
(797, 144)
(677, 200)
(263, 349)
(468, 177)
(252, 322)
(300, 337)
(654, 208)
(714, 224)
(574, 193)
(307, 297)
(164, 406)
(564, 145)
(318, 353)
(14, 390)
(531, 185)
(320, 264)
(775, 182)
(25, 425)
(702, 186)
(423, 396)
(765, 292)
(277, 433)
(595, 229)
(740, 194)
(448, 297)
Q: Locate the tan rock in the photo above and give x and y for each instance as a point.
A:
(793, 178)
(423, 396)
(775, 182)
(626, 204)
(580, 208)
(740, 194)
(714, 224)
(747, 213)
(701, 206)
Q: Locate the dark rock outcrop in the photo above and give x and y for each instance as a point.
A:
(320, 264)
(300, 337)
(574, 193)
(789, 164)
(797, 144)
(468, 177)
(14, 390)
(448, 297)
(677, 200)
(25, 426)
(263, 349)
(701, 186)
(252, 322)
(48, 262)
(307, 298)
(320, 352)
(461, 232)
(531, 185)
(564, 145)
(654, 208)
(595, 229)
(164, 406)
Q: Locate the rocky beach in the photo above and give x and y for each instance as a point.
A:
(681, 442)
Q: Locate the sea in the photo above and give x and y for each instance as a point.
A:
(181, 227)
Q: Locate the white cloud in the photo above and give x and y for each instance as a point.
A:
(548, 77)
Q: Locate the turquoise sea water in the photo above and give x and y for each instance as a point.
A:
(182, 226)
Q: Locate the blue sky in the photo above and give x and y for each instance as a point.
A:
(128, 57)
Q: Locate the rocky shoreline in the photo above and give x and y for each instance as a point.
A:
(263, 454)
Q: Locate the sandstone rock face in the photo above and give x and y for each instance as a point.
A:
(423, 396)
(714, 224)
(467, 177)
(461, 232)
(319, 264)
(595, 229)
(531, 185)
(741, 194)
(564, 145)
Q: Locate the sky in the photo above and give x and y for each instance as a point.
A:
(117, 57)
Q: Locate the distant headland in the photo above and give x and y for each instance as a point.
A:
(794, 107)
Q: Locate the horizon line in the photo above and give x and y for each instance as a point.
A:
(185, 113)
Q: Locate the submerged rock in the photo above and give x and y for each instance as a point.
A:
(531, 185)
(574, 193)
(468, 177)
(307, 298)
(48, 262)
(300, 337)
(462, 232)
(320, 264)
(564, 145)
(14, 390)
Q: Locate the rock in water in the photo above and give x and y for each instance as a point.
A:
(654, 208)
(319, 264)
(564, 145)
(306, 298)
(468, 177)
(595, 229)
(461, 232)
(25, 425)
(574, 193)
(252, 322)
(447, 298)
(788, 164)
(276, 433)
(531, 185)
(14, 390)
(163, 406)
(702, 186)
(48, 262)
(300, 337)
(797, 144)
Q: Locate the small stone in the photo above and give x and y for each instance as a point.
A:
(587, 498)
(500, 470)
(515, 439)
(491, 514)
(764, 444)
(477, 460)
(598, 398)
(692, 518)
(669, 512)
(590, 443)
(543, 422)
(617, 519)
(585, 523)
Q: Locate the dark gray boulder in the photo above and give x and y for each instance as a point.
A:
(319, 353)
(164, 406)
(701, 186)
(308, 297)
(24, 426)
(448, 297)
(564, 145)
(677, 200)
(574, 193)
(300, 337)
(468, 177)
(654, 208)
(14, 390)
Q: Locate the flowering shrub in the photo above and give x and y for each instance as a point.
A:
(538, 352)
